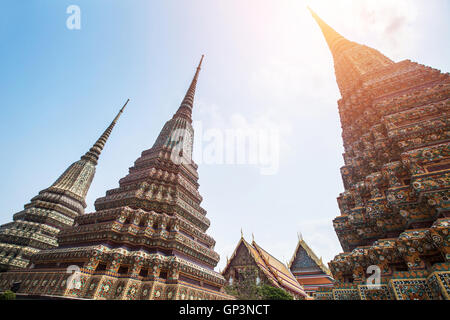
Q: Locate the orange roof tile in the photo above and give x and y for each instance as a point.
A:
(284, 276)
(315, 281)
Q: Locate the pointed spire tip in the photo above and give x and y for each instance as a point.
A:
(314, 14)
(201, 60)
(94, 152)
(185, 109)
(121, 110)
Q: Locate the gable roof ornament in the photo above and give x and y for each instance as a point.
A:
(301, 243)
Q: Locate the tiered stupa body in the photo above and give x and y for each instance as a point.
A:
(309, 270)
(395, 208)
(36, 227)
(147, 238)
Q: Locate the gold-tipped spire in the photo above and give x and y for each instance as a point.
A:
(94, 153)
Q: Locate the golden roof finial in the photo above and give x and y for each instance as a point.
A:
(253, 237)
(300, 237)
(242, 233)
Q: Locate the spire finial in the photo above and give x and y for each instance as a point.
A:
(121, 111)
(185, 109)
(300, 236)
(94, 153)
(242, 233)
(201, 60)
(331, 36)
(348, 74)
(253, 237)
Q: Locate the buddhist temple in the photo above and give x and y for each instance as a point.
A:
(147, 238)
(269, 270)
(395, 207)
(308, 269)
(36, 227)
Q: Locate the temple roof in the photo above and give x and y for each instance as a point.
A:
(308, 258)
(276, 272)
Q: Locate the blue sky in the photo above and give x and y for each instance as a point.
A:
(266, 65)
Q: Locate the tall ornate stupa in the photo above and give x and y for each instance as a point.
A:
(395, 207)
(147, 238)
(36, 227)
